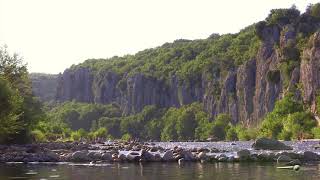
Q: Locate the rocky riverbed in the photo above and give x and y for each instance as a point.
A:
(94, 153)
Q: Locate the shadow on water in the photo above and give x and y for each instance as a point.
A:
(157, 171)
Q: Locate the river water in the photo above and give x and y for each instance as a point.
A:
(157, 171)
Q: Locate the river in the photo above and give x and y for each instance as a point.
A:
(157, 171)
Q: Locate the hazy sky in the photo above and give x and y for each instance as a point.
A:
(52, 35)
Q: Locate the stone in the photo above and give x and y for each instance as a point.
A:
(202, 156)
(52, 156)
(310, 156)
(269, 144)
(244, 154)
(283, 158)
(106, 157)
(147, 156)
(187, 155)
(181, 161)
(222, 159)
(294, 162)
(133, 156)
(80, 156)
(296, 167)
(168, 156)
(94, 155)
(121, 157)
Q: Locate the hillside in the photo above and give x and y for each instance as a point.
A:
(241, 74)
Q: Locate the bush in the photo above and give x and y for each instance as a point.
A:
(220, 126)
(283, 16)
(316, 132)
(38, 136)
(246, 134)
(287, 121)
(78, 135)
(75, 136)
(232, 134)
(126, 137)
(100, 133)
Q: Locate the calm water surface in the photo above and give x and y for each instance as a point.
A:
(157, 171)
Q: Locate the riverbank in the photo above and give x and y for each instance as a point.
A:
(95, 153)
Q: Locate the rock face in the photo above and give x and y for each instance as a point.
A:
(269, 144)
(44, 86)
(246, 92)
(310, 74)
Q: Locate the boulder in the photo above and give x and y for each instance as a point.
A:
(52, 156)
(310, 156)
(294, 162)
(133, 156)
(106, 157)
(244, 154)
(202, 156)
(284, 158)
(269, 144)
(94, 155)
(187, 155)
(147, 156)
(80, 156)
(167, 156)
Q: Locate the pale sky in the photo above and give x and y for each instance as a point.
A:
(51, 35)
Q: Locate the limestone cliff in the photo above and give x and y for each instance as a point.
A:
(247, 91)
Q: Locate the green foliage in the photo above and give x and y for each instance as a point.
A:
(283, 16)
(316, 132)
(314, 10)
(126, 137)
(245, 133)
(288, 120)
(19, 110)
(232, 134)
(78, 135)
(220, 126)
(81, 115)
(187, 122)
(38, 136)
(10, 111)
(273, 76)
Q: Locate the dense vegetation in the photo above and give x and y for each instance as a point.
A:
(19, 110)
(72, 120)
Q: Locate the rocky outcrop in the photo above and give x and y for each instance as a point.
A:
(44, 86)
(310, 71)
(246, 92)
(269, 144)
(75, 85)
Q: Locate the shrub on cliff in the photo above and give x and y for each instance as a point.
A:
(288, 120)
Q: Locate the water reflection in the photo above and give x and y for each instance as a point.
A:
(158, 171)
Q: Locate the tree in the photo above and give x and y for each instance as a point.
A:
(15, 73)
(220, 126)
(10, 111)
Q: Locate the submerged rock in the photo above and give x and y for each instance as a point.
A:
(283, 158)
(168, 156)
(269, 144)
(244, 154)
(294, 162)
(310, 156)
